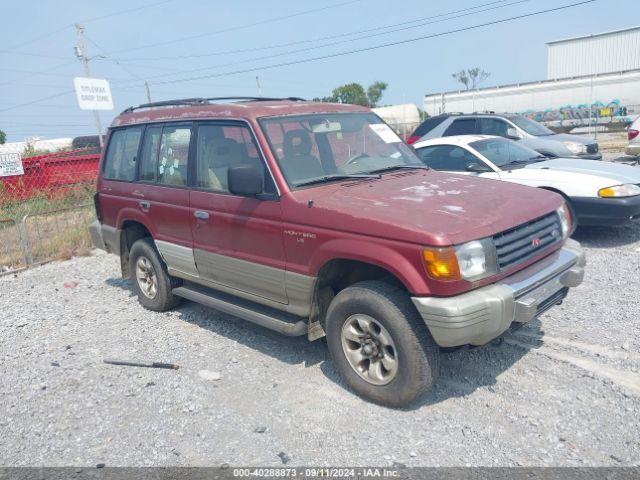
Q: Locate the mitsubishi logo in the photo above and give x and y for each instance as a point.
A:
(535, 242)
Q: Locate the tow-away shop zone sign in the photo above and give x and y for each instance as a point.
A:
(93, 93)
(10, 164)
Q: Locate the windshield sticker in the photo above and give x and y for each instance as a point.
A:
(385, 133)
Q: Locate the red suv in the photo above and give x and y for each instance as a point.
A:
(316, 219)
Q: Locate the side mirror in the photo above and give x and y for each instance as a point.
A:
(245, 180)
(513, 134)
(477, 168)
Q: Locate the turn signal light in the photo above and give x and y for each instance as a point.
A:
(441, 263)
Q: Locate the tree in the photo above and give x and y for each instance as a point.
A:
(3, 137)
(355, 94)
(375, 92)
(471, 77)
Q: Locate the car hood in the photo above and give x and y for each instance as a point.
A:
(423, 207)
(567, 137)
(618, 174)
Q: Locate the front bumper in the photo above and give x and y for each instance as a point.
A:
(606, 211)
(479, 316)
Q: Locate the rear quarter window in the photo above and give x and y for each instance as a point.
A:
(122, 151)
(428, 125)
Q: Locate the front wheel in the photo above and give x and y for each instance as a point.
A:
(380, 345)
(151, 281)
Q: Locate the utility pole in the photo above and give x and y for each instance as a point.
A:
(259, 87)
(146, 86)
(81, 53)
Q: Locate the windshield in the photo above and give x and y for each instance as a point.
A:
(319, 148)
(502, 152)
(530, 126)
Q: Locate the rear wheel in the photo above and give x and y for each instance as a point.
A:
(151, 281)
(379, 344)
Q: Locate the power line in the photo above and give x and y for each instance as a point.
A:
(467, 13)
(375, 47)
(122, 12)
(71, 25)
(312, 40)
(30, 54)
(238, 27)
(18, 105)
(49, 125)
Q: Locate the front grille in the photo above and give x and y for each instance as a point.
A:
(592, 148)
(523, 242)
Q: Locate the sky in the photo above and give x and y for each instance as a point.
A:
(133, 41)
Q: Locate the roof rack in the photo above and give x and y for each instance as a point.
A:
(208, 100)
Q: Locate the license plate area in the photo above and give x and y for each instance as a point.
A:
(537, 301)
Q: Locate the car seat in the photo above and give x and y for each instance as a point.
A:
(297, 161)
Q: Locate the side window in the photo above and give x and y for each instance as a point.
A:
(221, 147)
(493, 126)
(448, 157)
(462, 126)
(120, 162)
(149, 157)
(173, 155)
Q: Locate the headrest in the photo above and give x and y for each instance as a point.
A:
(223, 152)
(296, 143)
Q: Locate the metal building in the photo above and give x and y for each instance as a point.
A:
(608, 52)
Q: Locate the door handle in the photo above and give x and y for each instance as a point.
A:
(144, 205)
(200, 215)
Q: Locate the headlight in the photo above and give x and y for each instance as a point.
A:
(576, 148)
(628, 190)
(477, 259)
(470, 261)
(565, 220)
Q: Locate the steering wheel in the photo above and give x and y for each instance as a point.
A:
(354, 160)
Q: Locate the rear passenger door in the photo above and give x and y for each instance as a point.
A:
(238, 240)
(461, 126)
(162, 192)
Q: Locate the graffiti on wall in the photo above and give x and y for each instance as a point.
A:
(612, 112)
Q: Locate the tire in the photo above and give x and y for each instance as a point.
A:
(416, 355)
(160, 298)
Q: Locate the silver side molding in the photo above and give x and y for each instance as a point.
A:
(177, 257)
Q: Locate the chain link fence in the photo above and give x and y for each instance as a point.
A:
(46, 206)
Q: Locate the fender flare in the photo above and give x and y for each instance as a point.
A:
(374, 254)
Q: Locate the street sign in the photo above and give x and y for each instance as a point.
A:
(93, 93)
(10, 164)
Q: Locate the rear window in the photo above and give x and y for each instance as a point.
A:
(120, 162)
(462, 126)
(428, 125)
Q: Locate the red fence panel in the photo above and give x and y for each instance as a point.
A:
(51, 174)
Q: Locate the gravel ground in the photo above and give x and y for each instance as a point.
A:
(563, 390)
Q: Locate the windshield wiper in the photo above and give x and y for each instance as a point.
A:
(396, 167)
(337, 176)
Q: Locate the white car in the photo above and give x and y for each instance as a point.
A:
(634, 138)
(599, 193)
